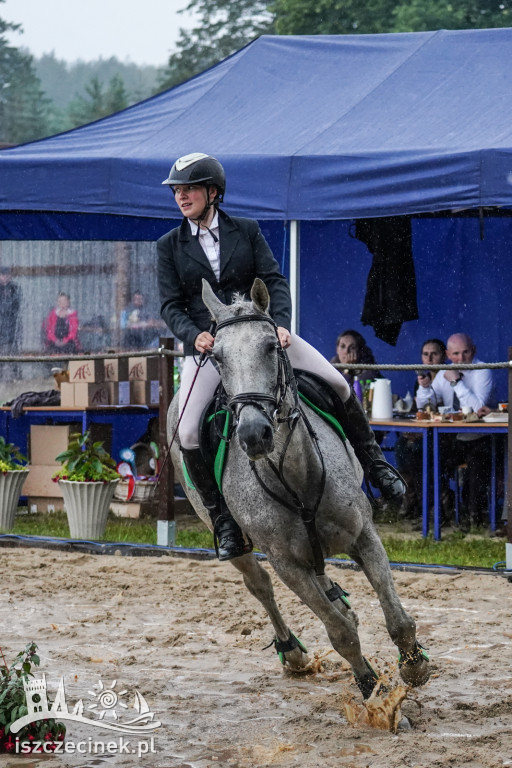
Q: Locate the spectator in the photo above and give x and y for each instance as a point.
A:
(61, 328)
(408, 447)
(140, 329)
(458, 389)
(351, 347)
(10, 322)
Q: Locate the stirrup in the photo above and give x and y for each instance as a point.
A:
(228, 539)
(387, 479)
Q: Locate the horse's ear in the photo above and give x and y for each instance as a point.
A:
(212, 302)
(259, 295)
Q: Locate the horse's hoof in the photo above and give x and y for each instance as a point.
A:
(292, 653)
(414, 666)
(367, 682)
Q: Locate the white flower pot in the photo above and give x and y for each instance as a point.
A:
(10, 489)
(87, 506)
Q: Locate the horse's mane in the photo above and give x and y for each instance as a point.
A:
(242, 306)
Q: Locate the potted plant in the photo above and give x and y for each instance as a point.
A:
(13, 473)
(13, 705)
(88, 479)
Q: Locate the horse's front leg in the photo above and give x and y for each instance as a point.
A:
(369, 553)
(291, 651)
(341, 630)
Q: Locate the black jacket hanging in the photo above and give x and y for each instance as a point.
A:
(391, 286)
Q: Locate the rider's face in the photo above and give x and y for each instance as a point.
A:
(192, 199)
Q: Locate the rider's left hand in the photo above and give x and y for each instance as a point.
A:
(284, 336)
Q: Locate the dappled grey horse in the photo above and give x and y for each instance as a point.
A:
(295, 490)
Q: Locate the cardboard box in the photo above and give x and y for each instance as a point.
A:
(67, 395)
(145, 392)
(119, 392)
(86, 371)
(39, 482)
(90, 395)
(45, 504)
(116, 369)
(48, 440)
(143, 368)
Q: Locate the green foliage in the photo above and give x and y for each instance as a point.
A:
(10, 457)
(85, 461)
(13, 702)
(100, 103)
(224, 27)
(23, 106)
(418, 16)
(333, 17)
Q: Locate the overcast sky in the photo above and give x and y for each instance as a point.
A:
(142, 31)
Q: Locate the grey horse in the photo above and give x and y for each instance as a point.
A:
(286, 466)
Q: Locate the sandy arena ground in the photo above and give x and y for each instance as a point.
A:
(187, 635)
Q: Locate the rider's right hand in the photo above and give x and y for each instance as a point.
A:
(204, 342)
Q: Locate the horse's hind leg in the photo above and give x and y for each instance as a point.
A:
(369, 553)
(341, 630)
(291, 651)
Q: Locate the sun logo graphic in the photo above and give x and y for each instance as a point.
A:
(112, 712)
(107, 700)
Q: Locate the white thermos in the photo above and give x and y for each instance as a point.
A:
(382, 402)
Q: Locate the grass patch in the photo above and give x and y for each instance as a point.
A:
(453, 549)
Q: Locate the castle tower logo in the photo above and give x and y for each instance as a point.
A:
(110, 708)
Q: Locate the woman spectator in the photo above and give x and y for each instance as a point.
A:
(61, 328)
(351, 347)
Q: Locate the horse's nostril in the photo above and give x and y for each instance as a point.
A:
(267, 434)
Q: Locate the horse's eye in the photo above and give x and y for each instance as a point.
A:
(271, 346)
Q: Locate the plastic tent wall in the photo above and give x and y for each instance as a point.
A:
(318, 129)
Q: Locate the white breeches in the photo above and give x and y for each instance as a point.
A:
(301, 354)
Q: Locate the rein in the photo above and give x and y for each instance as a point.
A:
(285, 380)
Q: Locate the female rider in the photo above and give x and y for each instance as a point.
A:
(230, 252)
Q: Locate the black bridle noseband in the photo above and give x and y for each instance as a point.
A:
(285, 378)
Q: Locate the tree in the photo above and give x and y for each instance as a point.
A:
(333, 17)
(224, 27)
(24, 109)
(322, 17)
(419, 16)
(100, 102)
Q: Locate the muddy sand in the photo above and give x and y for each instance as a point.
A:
(187, 636)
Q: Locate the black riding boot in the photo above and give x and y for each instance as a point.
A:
(228, 538)
(380, 474)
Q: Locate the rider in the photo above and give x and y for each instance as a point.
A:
(230, 252)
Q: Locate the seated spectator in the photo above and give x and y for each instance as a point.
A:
(408, 447)
(458, 389)
(61, 328)
(140, 329)
(351, 347)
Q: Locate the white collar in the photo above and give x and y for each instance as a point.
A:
(213, 226)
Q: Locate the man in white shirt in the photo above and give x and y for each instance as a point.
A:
(457, 390)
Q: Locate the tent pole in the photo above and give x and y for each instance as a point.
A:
(295, 273)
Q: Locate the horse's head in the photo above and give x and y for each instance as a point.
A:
(247, 354)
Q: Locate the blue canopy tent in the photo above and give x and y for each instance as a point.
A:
(315, 132)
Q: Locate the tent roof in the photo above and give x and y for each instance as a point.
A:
(313, 127)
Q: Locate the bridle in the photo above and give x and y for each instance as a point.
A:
(285, 381)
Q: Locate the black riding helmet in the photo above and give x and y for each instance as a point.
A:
(198, 168)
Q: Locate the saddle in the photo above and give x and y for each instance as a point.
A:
(216, 424)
